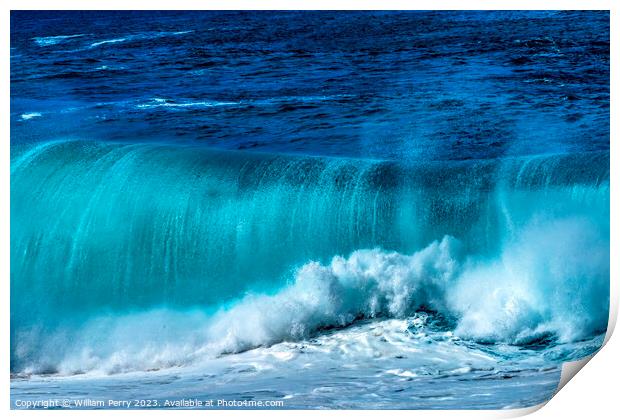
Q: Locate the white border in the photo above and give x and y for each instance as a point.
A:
(572, 406)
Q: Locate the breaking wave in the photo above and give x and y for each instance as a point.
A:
(53, 40)
(138, 257)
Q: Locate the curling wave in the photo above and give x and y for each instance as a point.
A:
(218, 252)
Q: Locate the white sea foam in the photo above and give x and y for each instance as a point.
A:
(551, 281)
(368, 284)
(554, 279)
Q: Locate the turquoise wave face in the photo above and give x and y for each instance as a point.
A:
(513, 250)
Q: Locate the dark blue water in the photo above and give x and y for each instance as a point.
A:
(441, 85)
(426, 224)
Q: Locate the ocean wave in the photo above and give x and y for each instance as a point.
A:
(139, 37)
(537, 291)
(53, 40)
(166, 103)
(108, 41)
(164, 339)
(276, 101)
(270, 248)
(294, 99)
(384, 363)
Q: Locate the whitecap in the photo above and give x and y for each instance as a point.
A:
(140, 36)
(30, 115)
(165, 103)
(53, 40)
(108, 41)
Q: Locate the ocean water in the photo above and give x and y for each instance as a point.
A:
(325, 209)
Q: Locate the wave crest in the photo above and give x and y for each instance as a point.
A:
(549, 283)
(367, 284)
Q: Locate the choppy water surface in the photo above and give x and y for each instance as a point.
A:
(384, 85)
